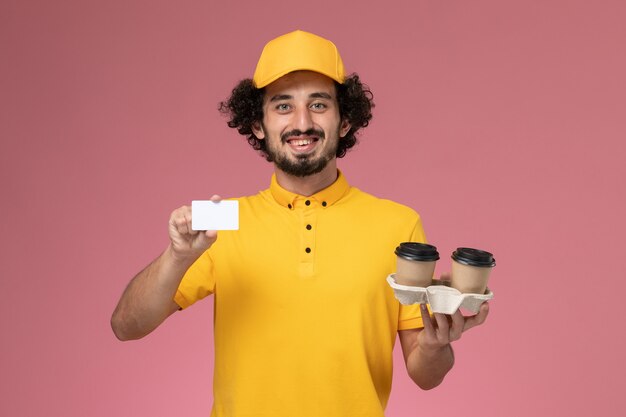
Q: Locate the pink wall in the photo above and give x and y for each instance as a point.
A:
(502, 123)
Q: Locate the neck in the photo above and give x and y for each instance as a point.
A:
(308, 185)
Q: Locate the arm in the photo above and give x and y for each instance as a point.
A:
(428, 352)
(149, 298)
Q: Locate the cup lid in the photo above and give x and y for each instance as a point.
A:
(415, 251)
(474, 257)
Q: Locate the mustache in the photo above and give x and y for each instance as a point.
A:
(296, 132)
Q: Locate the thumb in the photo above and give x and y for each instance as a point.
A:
(211, 236)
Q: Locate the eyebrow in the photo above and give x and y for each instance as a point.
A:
(279, 97)
(321, 95)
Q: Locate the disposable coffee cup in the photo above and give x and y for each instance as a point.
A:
(471, 269)
(415, 264)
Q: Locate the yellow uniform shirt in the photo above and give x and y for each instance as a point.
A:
(305, 322)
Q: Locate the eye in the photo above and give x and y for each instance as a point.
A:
(318, 106)
(283, 107)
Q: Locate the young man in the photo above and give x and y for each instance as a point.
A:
(305, 322)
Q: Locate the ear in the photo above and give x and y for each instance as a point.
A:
(257, 129)
(344, 128)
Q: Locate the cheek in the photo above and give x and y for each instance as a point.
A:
(328, 124)
(274, 124)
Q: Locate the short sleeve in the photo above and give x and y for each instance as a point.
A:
(410, 316)
(197, 283)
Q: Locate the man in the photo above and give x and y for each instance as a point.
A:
(305, 322)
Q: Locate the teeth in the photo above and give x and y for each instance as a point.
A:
(302, 142)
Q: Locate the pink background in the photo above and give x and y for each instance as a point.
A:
(502, 123)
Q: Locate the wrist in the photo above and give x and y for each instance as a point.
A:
(177, 259)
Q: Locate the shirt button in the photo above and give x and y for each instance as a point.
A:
(308, 203)
(323, 203)
(308, 227)
(308, 250)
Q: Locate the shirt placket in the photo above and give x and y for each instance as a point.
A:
(309, 209)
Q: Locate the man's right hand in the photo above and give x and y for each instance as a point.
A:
(149, 298)
(187, 244)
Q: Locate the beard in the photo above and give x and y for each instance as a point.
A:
(303, 165)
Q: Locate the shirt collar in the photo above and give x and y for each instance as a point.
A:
(326, 197)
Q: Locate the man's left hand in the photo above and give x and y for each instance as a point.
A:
(442, 329)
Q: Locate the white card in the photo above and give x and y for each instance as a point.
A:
(208, 215)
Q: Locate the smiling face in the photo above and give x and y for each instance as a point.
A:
(301, 124)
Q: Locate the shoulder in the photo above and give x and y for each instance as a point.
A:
(257, 205)
(253, 199)
(381, 206)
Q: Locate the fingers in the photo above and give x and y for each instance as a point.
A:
(180, 220)
(443, 329)
(457, 327)
(428, 324)
(437, 335)
(211, 236)
(478, 319)
(187, 218)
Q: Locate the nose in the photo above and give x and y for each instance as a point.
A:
(303, 120)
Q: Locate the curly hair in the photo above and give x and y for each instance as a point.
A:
(245, 108)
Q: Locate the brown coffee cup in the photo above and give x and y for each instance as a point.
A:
(415, 264)
(471, 269)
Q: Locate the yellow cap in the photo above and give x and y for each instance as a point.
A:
(297, 51)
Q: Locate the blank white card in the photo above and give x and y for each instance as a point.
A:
(209, 215)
